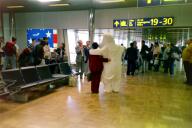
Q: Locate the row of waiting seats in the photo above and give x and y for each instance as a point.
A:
(26, 77)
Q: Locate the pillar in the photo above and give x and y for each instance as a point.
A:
(12, 25)
(91, 24)
(1, 28)
(1, 36)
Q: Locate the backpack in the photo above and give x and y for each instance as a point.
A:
(9, 49)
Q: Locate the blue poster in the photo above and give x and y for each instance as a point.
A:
(39, 34)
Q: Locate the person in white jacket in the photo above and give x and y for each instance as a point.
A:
(111, 75)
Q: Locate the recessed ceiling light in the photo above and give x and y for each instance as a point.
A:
(58, 5)
(15, 6)
(109, 1)
(48, 1)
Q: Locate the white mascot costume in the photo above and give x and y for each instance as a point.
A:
(111, 75)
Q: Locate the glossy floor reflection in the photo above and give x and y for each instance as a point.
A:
(153, 100)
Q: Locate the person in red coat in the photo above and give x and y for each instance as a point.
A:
(96, 68)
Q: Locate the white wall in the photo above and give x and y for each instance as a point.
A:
(182, 13)
(6, 27)
(56, 20)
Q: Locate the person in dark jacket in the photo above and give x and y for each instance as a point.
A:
(25, 58)
(61, 52)
(96, 68)
(144, 54)
(171, 58)
(131, 57)
(38, 53)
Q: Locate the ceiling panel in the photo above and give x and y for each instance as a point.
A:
(34, 5)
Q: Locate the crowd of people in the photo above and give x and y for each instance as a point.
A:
(38, 52)
(104, 62)
(151, 58)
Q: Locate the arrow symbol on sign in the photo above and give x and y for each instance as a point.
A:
(116, 23)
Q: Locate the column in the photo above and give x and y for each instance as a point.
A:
(1, 36)
(1, 27)
(91, 24)
(12, 25)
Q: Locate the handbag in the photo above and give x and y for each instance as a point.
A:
(89, 76)
(72, 81)
(175, 56)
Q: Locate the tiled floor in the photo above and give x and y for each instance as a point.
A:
(153, 100)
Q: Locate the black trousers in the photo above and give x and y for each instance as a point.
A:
(131, 67)
(188, 71)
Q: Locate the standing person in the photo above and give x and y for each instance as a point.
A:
(25, 58)
(10, 55)
(131, 56)
(80, 58)
(156, 53)
(14, 41)
(32, 45)
(172, 58)
(111, 76)
(47, 53)
(96, 68)
(123, 55)
(150, 57)
(166, 57)
(144, 54)
(38, 53)
(187, 61)
(61, 52)
(86, 57)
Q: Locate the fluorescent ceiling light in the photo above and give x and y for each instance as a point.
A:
(15, 6)
(58, 5)
(172, 0)
(109, 1)
(44, 1)
(149, 1)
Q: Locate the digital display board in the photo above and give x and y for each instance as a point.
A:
(143, 22)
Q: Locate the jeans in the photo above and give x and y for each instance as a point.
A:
(8, 60)
(144, 65)
(171, 64)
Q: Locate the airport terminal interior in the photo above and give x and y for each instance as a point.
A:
(95, 64)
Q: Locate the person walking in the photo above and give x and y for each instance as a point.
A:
(187, 62)
(111, 75)
(131, 56)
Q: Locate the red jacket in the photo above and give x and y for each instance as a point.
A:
(96, 63)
